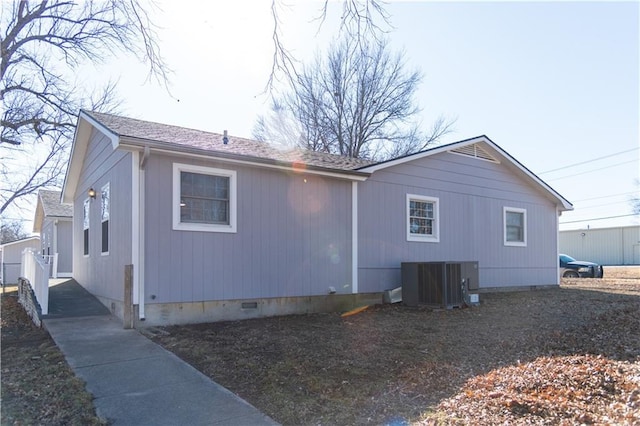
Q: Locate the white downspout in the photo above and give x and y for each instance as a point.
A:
(141, 249)
(55, 249)
(141, 227)
(558, 214)
(354, 237)
(135, 231)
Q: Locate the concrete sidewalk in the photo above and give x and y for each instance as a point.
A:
(136, 382)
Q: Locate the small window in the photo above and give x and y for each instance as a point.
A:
(85, 227)
(423, 218)
(105, 201)
(204, 199)
(515, 226)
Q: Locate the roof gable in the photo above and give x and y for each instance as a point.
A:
(482, 148)
(50, 205)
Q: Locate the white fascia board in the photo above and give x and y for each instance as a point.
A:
(346, 175)
(78, 151)
(560, 200)
(113, 137)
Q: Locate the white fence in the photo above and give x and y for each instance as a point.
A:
(36, 270)
(52, 261)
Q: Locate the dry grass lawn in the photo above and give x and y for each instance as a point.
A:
(562, 356)
(38, 387)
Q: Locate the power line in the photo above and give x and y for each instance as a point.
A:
(606, 196)
(605, 205)
(598, 218)
(593, 170)
(589, 161)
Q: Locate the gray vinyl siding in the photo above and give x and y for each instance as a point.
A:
(65, 246)
(472, 194)
(293, 238)
(103, 275)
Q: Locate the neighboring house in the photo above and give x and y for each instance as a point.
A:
(11, 258)
(606, 246)
(221, 227)
(54, 222)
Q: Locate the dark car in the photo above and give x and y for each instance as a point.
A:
(571, 268)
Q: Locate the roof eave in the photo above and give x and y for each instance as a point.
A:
(39, 216)
(128, 142)
(23, 240)
(78, 150)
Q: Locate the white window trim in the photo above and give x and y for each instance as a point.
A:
(505, 210)
(204, 227)
(107, 185)
(435, 238)
(86, 202)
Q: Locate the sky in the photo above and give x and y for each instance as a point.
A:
(556, 85)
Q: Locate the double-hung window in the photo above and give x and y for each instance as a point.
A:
(515, 226)
(423, 222)
(85, 227)
(204, 199)
(105, 202)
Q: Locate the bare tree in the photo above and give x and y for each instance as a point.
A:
(42, 44)
(360, 20)
(357, 102)
(11, 231)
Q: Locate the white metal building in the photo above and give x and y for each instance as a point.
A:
(606, 246)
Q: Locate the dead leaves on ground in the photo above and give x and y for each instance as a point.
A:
(581, 389)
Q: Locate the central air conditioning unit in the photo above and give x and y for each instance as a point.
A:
(444, 284)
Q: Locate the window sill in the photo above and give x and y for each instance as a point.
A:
(201, 227)
(420, 239)
(515, 244)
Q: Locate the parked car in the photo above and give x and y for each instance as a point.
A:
(571, 268)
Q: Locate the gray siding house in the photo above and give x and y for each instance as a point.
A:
(54, 222)
(218, 227)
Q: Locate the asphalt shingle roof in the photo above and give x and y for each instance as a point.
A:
(52, 205)
(213, 143)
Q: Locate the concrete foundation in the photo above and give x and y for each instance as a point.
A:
(158, 314)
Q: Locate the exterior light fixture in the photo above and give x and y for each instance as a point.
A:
(92, 193)
(182, 203)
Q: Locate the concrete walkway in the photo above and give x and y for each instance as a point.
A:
(136, 382)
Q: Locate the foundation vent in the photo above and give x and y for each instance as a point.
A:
(475, 150)
(249, 305)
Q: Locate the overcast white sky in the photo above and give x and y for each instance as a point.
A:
(554, 84)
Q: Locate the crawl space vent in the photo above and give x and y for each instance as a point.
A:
(476, 151)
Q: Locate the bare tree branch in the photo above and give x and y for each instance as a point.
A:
(42, 42)
(360, 21)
